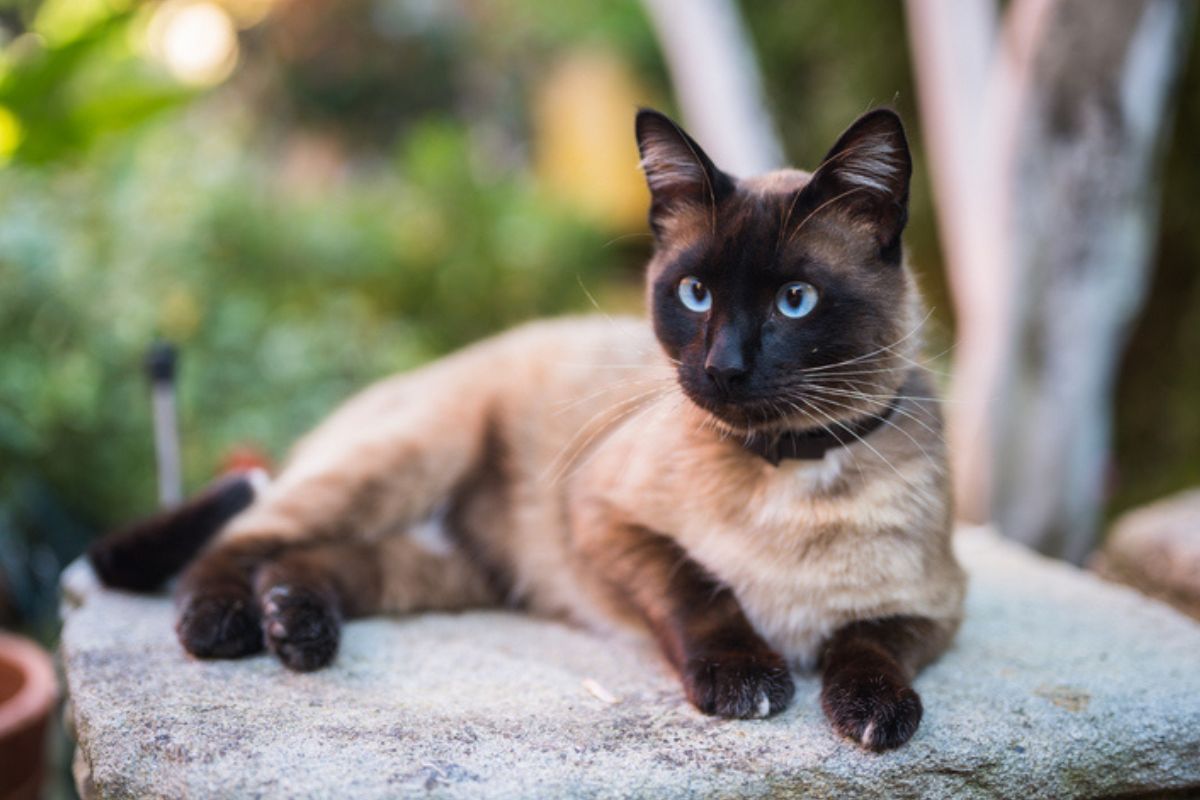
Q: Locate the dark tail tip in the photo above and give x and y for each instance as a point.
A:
(142, 556)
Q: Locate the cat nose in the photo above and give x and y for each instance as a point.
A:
(724, 376)
(725, 364)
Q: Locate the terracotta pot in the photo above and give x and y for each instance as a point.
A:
(28, 691)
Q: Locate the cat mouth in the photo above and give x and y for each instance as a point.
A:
(769, 415)
(744, 415)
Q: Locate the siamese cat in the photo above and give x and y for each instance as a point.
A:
(757, 477)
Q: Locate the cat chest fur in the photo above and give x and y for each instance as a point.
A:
(807, 546)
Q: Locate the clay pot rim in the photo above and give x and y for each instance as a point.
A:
(37, 695)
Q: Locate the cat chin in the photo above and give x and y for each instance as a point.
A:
(748, 418)
(763, 418)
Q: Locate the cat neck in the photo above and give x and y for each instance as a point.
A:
(811, 444)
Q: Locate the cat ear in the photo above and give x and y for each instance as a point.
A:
(678, 172)
(868, 172)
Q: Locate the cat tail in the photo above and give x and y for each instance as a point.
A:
(143, 555)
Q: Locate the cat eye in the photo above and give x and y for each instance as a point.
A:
(796, 299)
(694, 295)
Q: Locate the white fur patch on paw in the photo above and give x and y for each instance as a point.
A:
(866, 734)
(277, 593)
(764, 705)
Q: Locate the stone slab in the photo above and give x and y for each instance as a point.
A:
(1059, 685)
(1156, 550)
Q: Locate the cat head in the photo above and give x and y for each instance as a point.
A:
(783, 300)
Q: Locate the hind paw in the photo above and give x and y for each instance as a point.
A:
(301, 626)
(219, 625)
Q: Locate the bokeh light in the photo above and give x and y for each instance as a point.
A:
(10, 133)
(195, 39)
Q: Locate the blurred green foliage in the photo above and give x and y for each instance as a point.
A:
(271, 295)
(291, 268)
(66, 96)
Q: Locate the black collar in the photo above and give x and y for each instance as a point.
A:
(814, 443)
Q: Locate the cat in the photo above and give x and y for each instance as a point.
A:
(758, 478)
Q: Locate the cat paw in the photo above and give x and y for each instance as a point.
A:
(301, 627)
(738, 685)
(221, 625)
(878, 712)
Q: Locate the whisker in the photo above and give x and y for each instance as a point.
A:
(562, 461)
(592, 299)
(825, 392)
(820, 208)
(572, 466)
(602, 365)
(922, 365)
(628, 383)
(616, 239)
(850, 388)
(891, 424)
(841, 443)
(878, 351)
(864, 442)
(786, 219)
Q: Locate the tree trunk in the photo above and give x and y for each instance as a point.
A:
(1085, 215)
(716, 78)
(1051, 270)
(967, 90)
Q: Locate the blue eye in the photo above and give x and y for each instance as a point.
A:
(694, 295)
(795, 300)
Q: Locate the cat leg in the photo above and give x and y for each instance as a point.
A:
(305, 592)
(368, 480)
(219, 613)
(726, 667)
(216, 612)
(867, 671)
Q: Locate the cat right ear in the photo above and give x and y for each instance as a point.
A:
(680, 175)
(869, 170)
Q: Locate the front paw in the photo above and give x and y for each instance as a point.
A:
(302, 627)
(878, 711)
(738, 685)
(219, 624)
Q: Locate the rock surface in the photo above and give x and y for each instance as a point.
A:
(1059, 685)
(1156, 549)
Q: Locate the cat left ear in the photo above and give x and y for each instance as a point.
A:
(868, 172)
(678, 172)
